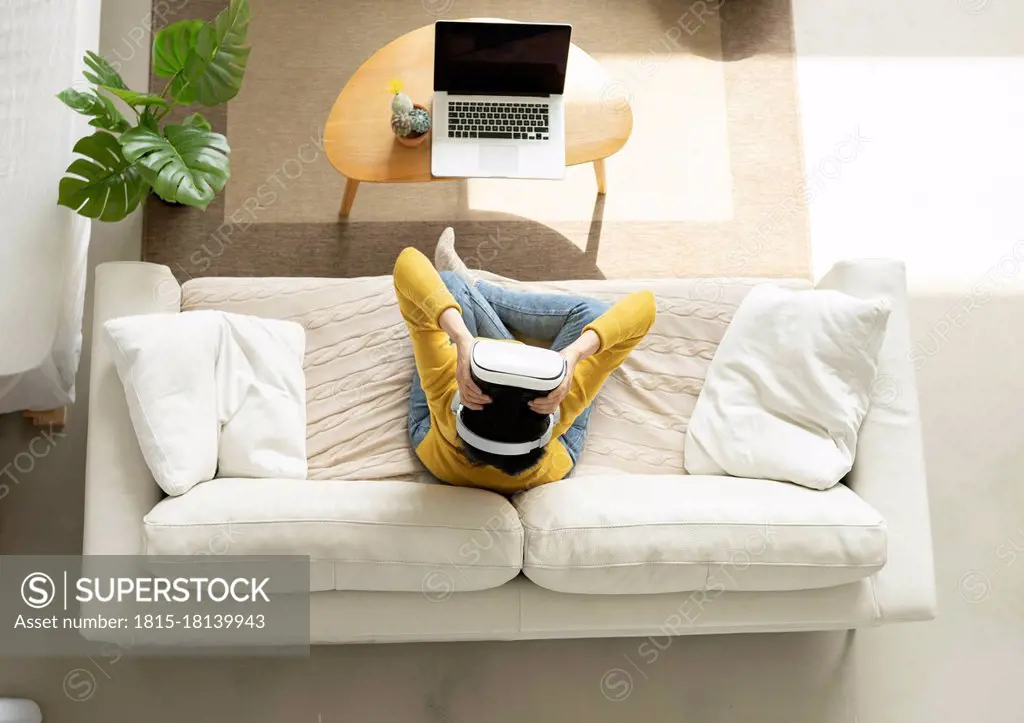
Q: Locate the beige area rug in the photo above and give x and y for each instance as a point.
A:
(709, 183)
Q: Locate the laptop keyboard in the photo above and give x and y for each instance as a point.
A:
(515, 121)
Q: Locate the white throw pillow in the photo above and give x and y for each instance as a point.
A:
(788, 387)
(212, 393)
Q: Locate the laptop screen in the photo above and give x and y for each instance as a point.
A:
(500, 58)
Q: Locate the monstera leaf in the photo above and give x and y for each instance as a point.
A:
(102, 72)
(133, 98)
(187, 164)
(197, 120)
(104, 114)
(215, 66)
(148, 119)
(103, 184)
(171, 47)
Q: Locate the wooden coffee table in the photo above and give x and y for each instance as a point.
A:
(360, 144)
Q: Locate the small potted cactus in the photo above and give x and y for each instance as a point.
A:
(409, 121)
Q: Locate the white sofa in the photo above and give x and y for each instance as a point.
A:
(628, 546)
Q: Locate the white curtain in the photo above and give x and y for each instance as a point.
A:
(43, 247)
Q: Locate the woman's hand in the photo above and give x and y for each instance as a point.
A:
(453, 325)
(472, 396)
(551, 402)
(573, 354)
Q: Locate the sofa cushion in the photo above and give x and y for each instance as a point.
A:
(789, 387)
(365, 535)
(211, 392)
(616, 534)
(359, 364)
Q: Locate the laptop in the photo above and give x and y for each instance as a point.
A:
(498, 107)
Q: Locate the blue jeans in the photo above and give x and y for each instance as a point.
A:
(494, 312)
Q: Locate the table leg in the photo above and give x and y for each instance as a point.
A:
(349, 197)
(599, 172)
(47, 418)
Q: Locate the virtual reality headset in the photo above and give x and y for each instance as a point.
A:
(514, 365)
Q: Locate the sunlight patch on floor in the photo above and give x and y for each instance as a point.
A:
(675, 166)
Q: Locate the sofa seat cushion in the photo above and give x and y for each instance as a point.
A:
(360, 535)
(622, 534)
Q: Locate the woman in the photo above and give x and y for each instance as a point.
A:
(444, 314)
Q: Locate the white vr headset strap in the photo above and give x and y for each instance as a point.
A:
(507, 449)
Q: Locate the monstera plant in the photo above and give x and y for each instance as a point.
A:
(182, 162)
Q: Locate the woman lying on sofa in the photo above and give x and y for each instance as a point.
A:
(483, 414)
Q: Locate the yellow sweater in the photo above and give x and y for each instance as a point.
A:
(422, 298)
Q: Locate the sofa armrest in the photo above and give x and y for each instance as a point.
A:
(889, 470)
(119, 488)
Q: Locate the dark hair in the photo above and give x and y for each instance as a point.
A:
(506, 419)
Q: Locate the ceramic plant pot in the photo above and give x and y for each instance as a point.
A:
(412, 141)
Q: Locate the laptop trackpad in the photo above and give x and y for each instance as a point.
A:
(499, 160)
